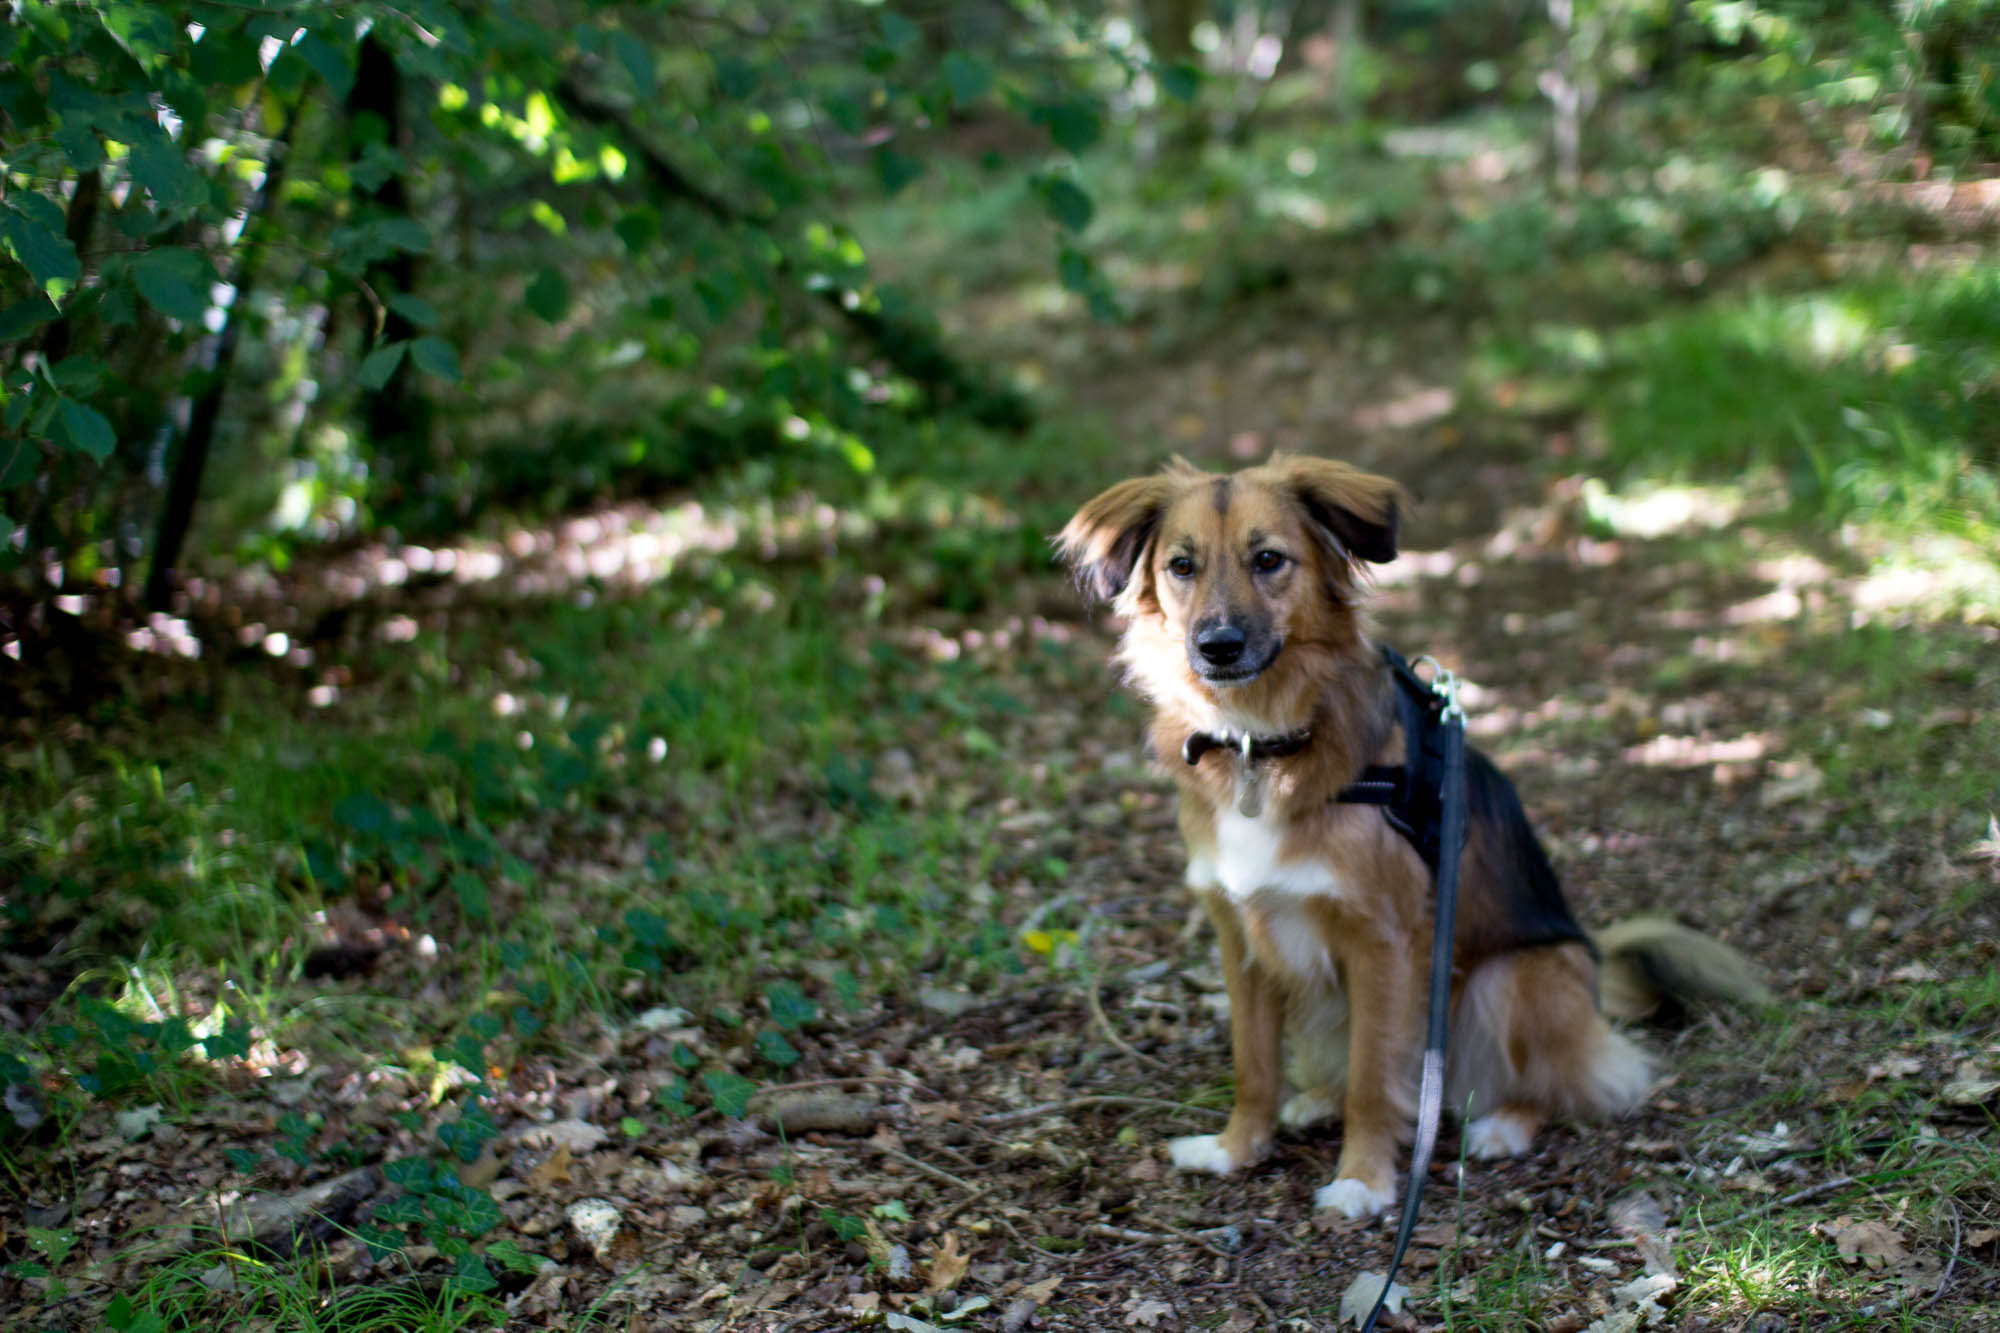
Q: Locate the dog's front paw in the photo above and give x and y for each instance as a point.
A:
(1353, 1198)
(1202, 1152)
(1311, 1107)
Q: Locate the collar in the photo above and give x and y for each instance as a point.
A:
(1250, 747)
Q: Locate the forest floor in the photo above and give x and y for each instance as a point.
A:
(969, 1004)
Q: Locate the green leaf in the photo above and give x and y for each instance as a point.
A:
(637, 58)
(772, 1046)
(1181, 81)
(37, 208)
(899, 34)
(435, 356)
(80, 146)
(414, 1174)
(380, 365)
(736, 78)
(896, 169)
(157, 163)
(515, 1259)
(25, 315)
(471, 890)
(473, 1275)
(1074, 269)
(1067, 203)
(419, 312)
(966, 76)
(791, 1008)
(171, 280)
(404, 234)
(85, 430)
(1075, 124)
(45, 253)
(638, 227)
(731, 1092)
(548, 294)
(328, 61)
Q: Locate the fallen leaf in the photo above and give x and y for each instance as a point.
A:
(554, 1167)
(579, 1136)
(947, 1265)
(1872, 1243)
(1148, 1313)
(1360, 1296)
(903, 1321)
(1039, 1292)
(137, 1122)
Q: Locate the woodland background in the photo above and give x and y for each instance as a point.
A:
(549, 776)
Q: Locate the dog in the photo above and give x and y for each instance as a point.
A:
(1244, 597)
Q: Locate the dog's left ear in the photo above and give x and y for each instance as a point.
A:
(1107, 539)
(1358, 508)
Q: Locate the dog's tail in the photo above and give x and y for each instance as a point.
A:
(1647, 961)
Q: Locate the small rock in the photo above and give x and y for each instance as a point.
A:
(950, 1003)
(596, 1223)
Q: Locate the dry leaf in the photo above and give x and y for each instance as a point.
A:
(1148, 1313)
(947, 1265)
(579, 1136)
(1359, 1298)
(1982, 1237)
(1872, 1243)
(1039, 1292)
(554, 1167)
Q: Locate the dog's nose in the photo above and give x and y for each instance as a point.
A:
(1219, 645)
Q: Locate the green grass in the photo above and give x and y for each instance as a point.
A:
(1874, 401)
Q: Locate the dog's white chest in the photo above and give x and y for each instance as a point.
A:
(1246, 862)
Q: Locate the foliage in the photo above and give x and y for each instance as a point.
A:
(472, 255)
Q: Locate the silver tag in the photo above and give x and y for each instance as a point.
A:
(1249, 785)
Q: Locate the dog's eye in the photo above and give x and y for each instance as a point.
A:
(1266, 561)
(1181, 567)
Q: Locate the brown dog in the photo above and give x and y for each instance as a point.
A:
(1243, 601)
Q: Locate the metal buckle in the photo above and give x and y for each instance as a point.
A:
(1444, 684)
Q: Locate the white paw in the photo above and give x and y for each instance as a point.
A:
(1496, 1135)
(1201, 1152)
(1352, 1198)
(1306, 1109)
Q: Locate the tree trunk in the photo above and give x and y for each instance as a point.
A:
(184, 486)
(397, 418)
(1170, 29)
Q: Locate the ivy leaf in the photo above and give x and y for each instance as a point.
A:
(381, 364)
(44, 251)
(731, 1092)
(471, 890)
(966, 76)
(1074, 269)
(548, 294)
(791, 1008)
(436, 356)
(1067, 203)
(85, 430)
(171, 281)
(773, 1047)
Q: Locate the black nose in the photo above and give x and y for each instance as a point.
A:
(1219, 645)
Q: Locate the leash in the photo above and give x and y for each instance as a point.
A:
(1446, 736)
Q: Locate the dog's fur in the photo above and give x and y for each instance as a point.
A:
(1243, 597)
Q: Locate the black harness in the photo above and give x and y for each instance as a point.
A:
(1411, 795)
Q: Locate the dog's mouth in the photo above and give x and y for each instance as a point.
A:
(1233, 674)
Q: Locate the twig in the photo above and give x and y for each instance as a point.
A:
(945, 1217)
(811, 1083)
(934, 1172)
(1810, 1192)
(1111, 1033)
(1950, 1264)
(1078, 1103)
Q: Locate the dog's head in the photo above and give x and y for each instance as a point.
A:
(1240, 568)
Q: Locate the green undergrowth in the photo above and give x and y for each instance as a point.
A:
(551, 815)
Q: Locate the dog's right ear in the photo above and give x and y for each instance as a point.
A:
(1106, 540)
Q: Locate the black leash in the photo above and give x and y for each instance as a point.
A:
(1443, 739)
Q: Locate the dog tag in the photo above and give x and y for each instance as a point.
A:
(1249, 785)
